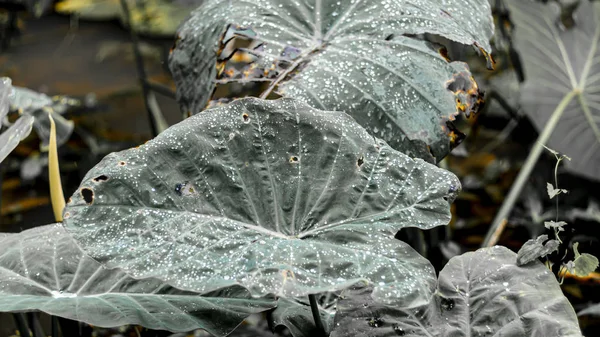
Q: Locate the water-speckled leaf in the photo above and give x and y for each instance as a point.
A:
(298, 319)
(358, 314)
(44, 269)
(275, 196)
(350, 55)
(482, 293)
(558, 62)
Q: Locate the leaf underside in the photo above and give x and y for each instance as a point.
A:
(353, 55)
(272, 195)
(44, 269)
(558, 61)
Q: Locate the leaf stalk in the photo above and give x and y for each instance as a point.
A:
(314, 308)
(528, 166)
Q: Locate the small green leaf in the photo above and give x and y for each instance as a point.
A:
(555, 225)
(536, 248)
(584, 264)
(552, 192)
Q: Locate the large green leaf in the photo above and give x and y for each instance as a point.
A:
(275, 196)
(562, 62)
(349, 55)
(482, 293)
(44, 269)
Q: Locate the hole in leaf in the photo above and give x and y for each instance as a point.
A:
(444, 53)
(67, 215)
(375, 322)
(88, 195)
(447, 304)
(398, 330)
(246, 117)
(185, 189)
(122, 163)
(100, 178)
(360, 161)
(294, 159)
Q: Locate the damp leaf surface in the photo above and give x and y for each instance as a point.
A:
(275, 196)
(357, 56)
(481, 293)
(43, 269)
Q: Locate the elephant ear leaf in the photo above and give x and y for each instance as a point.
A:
(356, 56)
(482, 293)
(275, 196)
(561, 71)
(44, 269)
(486, 293)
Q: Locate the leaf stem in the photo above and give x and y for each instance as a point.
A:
(314, 308)
(270, 321)
(155, 116)
(21, 323)
(56, 191)
(55, 327)
(528, 166)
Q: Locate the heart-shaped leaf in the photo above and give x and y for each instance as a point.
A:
(482, 293)
(561, 66)
(275, 196)
(352, 55)
(44, 269)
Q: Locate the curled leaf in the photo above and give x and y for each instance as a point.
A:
(536, 248)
